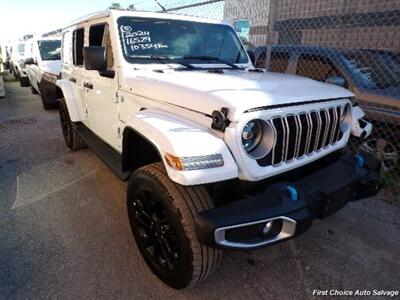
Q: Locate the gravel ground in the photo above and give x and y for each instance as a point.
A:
(64, 231)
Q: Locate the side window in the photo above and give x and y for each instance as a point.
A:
(77, 45)
(99, 35)
(316, 67)
(67, 48)
(279, 61)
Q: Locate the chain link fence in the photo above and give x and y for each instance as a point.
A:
(355, 44)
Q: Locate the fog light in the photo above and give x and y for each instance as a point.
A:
(267, 228)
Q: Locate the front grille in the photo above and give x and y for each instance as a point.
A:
(298, 135)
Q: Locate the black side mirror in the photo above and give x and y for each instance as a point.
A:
(337, 80)
(252, 56)
(94, 58)
(29, 61)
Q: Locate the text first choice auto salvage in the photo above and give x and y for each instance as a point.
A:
(346, 293)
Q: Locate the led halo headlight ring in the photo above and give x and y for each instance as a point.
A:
(258, 138)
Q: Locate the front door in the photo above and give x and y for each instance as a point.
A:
(100, 91)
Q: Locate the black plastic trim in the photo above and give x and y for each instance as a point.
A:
(319, 195)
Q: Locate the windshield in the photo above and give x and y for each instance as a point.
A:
(176, 39)
(371, 72)
(50, 49)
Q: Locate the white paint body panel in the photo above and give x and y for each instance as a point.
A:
(171, 134)
(172, 109)
(237, 90)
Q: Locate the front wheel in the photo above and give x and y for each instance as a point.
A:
(161, 214)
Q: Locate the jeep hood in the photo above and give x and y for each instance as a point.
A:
(51, 66)
(237, 90)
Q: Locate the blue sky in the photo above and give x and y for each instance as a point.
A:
(19, 17)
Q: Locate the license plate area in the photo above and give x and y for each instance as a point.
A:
(333, 201)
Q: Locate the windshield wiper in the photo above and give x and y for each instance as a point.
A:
(164, 59)
(211, 58)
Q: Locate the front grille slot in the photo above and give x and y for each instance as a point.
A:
(302, 134)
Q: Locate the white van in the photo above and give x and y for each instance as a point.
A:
(43, 67)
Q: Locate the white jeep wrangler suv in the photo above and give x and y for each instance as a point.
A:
(219, 155)
(43, 66)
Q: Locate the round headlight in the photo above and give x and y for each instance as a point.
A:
(257, 138)
(251, 135)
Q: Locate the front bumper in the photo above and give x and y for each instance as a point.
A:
(287, 209)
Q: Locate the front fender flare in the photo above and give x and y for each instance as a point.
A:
(72, 99)
(183, 138)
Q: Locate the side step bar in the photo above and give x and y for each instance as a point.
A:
(107, 154)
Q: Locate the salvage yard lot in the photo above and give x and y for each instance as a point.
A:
(64, 230)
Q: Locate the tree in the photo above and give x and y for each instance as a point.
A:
(115, 5)
(131, 7)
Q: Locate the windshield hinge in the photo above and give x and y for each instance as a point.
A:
(220, 119)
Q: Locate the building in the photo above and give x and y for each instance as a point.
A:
(331, 23)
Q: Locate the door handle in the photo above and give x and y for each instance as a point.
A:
(88, 85)
(72, 79)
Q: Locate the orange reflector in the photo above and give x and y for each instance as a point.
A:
(174, 162)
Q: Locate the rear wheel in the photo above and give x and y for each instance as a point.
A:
(71, 137)
(161, 215)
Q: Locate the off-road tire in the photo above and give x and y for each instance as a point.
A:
(47, 105)
(181, 205)
(35, 92)
(24, 81)
(71, 137)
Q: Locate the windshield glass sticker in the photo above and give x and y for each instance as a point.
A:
(138, 40)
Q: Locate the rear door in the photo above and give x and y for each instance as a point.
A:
(72, 67)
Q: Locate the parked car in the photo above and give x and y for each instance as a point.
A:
(218, 155)
(372, 75)
(43, 68)
(2, 88)
(17, 64)
(1, 60)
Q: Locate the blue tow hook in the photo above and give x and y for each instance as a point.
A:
(293, 194)
(360, 160)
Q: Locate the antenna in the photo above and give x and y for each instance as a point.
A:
(162, 7)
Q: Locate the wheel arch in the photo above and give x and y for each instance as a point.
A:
(160, 134)
(137, 150)
(72, 99)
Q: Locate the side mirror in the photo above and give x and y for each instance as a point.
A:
(29, 61)
(336, 80)
(252, 56)
(94, 58)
